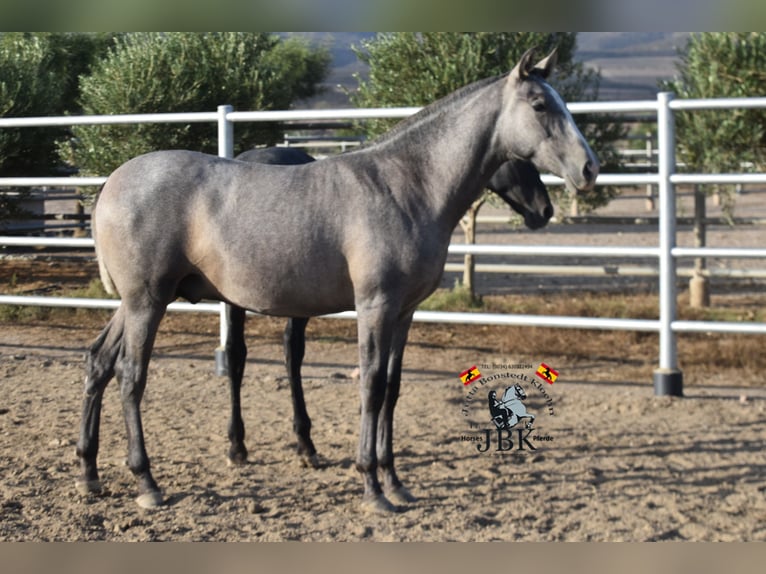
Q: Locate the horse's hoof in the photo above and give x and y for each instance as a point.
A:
(378, 505)
(400, 496)
(309, 460)
(236, 461)
(149, 500)
(87, 487)
(237, 457)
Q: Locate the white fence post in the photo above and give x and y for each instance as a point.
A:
(225, 149)
(668, 379)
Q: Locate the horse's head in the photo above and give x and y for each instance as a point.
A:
(518, 183)
(536, 125)
(520, 392)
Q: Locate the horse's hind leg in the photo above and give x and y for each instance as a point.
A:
(101, 359)
(295, 348)
(141, 322)
(236, 354)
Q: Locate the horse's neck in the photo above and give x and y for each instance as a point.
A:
(450, 155)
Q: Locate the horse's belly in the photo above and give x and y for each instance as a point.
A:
(284, 291)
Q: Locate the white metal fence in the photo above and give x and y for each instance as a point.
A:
(667, 377)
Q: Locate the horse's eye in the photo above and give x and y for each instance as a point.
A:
(538, 105)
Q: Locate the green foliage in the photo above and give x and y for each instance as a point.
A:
(415, 69)
(188, 72)
(28, 87)
(721, 65)
(718, 65)
(38, 77)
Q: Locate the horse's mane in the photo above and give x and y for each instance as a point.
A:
(431, 109)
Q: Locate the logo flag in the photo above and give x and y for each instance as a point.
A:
(470, 375)
(546, 373)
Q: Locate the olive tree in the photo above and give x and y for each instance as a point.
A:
(718, 65)
(188, 72)
(38, 77)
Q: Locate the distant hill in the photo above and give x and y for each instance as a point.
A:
(631, 42)
(631, 63)
(343, 67)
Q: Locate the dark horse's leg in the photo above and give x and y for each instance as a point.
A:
(392, 486)
(236, 354)
(295, 348)
(101, 359)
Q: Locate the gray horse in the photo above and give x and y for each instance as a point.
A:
(366, 230)
(517, 182)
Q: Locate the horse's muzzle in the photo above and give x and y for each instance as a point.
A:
(589, 174)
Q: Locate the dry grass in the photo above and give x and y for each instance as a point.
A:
(700, 354)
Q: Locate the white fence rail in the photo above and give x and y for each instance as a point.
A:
(667, 377)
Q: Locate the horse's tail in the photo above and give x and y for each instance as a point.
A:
(106, 279)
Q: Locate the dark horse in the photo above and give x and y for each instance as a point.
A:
(517, 182)
(366, 230)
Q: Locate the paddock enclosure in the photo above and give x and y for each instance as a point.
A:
(622, 464)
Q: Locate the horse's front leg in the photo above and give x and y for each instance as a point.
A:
(392, 486)
(375, 331)
(295, 348)
(236, 354)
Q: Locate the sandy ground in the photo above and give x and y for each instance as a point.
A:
(620, 464)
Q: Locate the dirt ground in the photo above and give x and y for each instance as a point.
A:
(606, 461)
(620, 464)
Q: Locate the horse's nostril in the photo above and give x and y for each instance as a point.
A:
(587, 171)
(548, 211)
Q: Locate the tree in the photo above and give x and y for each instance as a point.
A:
(188, 72)
(28, 87)
(721, 65)
(73, 54)
(38, 77)
(415, 69)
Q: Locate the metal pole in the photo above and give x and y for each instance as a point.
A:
(668, 379)
(225, 149)
(650, 161)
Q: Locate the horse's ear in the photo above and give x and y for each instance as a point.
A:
(524, 67)
(545, 66)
